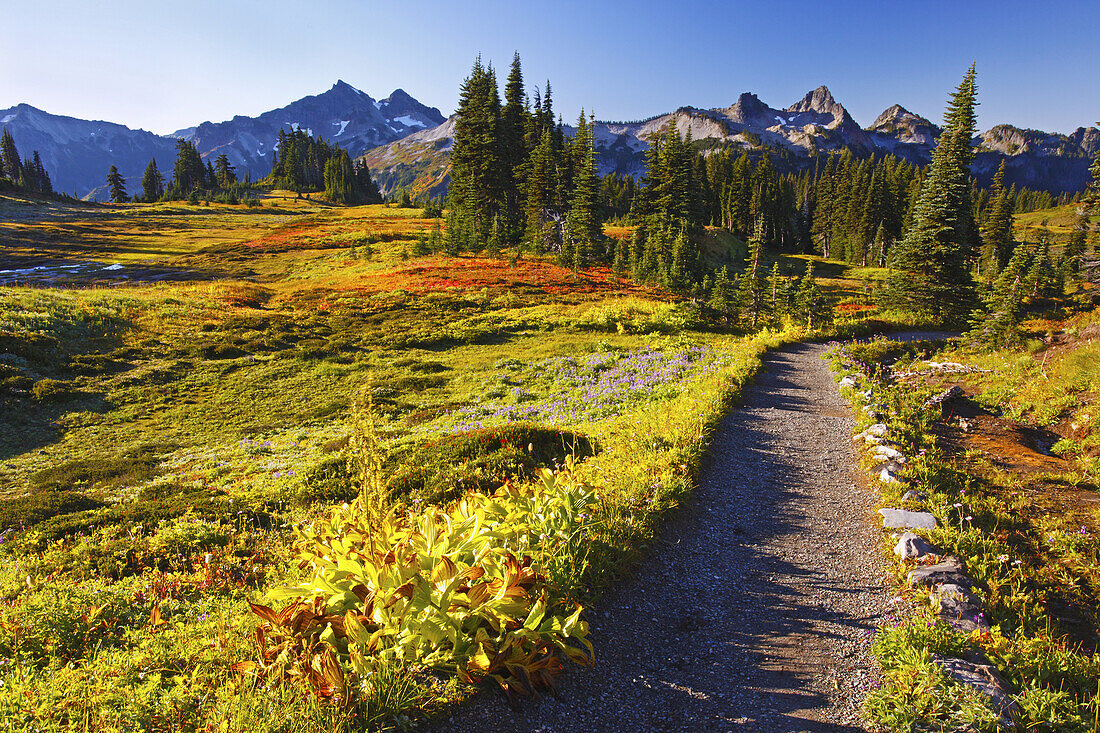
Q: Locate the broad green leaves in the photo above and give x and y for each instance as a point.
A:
(461, 590)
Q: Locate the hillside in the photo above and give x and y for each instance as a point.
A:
(77, 153)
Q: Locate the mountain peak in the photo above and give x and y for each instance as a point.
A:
(820, 100)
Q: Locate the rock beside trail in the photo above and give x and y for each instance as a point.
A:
(913, 496)
(987, 681)
(889, 475)
(911, 546)
(949, 570)
(902, 519)
(878, 430)
(944, 399)
(959, 606)
(885, 453)
(849, 381)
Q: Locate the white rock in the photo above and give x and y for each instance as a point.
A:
(878, 430)
(887, 476)
(890, 454)
(911, 546)
(902, 519)
(849, 381)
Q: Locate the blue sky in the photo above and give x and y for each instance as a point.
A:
(163, 67)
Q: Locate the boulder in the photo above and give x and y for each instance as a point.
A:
(902, 519)
(849, 381)
(877, 430)
(961, 607)
(886, 453)
(949, 570)
(987, 681)
(888, 475)
(911, 546)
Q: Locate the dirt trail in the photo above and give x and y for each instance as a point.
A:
(755, 607)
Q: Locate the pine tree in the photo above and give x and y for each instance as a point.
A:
(751, 297)
(997, 324)
(930, 266)
(583, 221)
(11, 165)
(152, 183)
(224, 173)
(117, 186)
(188, 173)
(811, 308)
(514, 124)
(722, 295)
(997, 233)
(475, 157)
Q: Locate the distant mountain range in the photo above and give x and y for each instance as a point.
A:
(407, 144)
(815, 124)
(77, 153)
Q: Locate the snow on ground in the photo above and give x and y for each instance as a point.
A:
(7, 119)
(343, 126)
(408, 121)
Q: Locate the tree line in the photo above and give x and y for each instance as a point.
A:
(300, 163)
(28, 174)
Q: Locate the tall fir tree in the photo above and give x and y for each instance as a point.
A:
(116, 186)
(996, 325)
(751, 296)
(475, 190)
(930, 271)
(583, 221)
(997, 233)
(514, 124)
(152, 183)
(224, 172)
(11, 165)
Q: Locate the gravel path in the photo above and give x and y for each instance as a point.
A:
(754, 608)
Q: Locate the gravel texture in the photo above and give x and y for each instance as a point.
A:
(755, 607)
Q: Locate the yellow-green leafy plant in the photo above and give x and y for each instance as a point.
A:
(462, 590)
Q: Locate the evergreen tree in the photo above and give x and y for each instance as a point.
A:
(340, 181)
(117, 186)
(722, 295)
(11, 165)
(475, 157)
(152, 183)
(188, 173)
(751, 296)
(514, 124)
(811, 309)
(997, 324)
(224, 173)
(583, 221)
(929, 267)
(997, 233)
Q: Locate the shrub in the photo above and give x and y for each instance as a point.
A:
(453, 591)
(27, 511)
(53, 390)
(480, 460)
(328, 482)
(130, 467)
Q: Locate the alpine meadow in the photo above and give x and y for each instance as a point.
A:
(354, 416)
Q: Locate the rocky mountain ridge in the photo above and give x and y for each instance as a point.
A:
(77, 153)
(813, 125)
(407, 143)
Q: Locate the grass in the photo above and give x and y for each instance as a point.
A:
(161, 438)
(1031, 539)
